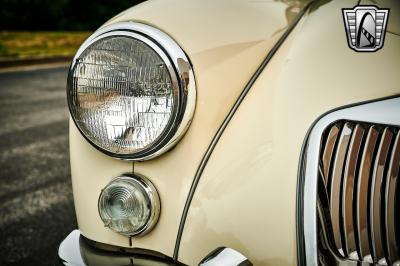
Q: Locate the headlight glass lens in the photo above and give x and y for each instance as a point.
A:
(121, 95)
(126, 207)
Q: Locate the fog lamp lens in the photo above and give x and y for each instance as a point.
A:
(129, 205)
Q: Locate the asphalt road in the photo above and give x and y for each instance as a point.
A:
(36, 203)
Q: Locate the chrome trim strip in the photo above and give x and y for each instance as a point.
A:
(348, 188)
(329, 149)
(226, 257)
(377, 191)
(69, 252)
(381, 112)
(391, 217)
(181, 72)
(224, 124)
(362, 205)
(336, 187)
(76, 250)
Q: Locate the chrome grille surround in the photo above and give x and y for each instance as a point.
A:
(384, 112)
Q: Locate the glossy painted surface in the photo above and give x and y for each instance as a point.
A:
(247, 194)
(394, 20)
(225, 41)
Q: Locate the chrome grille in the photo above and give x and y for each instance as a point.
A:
(359, 170)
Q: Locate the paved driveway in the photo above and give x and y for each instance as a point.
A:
(35, 189)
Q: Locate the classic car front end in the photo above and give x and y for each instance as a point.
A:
(235, 133)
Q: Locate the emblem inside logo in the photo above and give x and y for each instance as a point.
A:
(365, 27)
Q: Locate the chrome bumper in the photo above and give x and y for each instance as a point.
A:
(75, 250)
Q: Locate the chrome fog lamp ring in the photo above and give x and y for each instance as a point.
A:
(180, 95)
(130, 205)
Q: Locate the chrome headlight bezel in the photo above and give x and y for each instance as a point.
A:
(182, 78)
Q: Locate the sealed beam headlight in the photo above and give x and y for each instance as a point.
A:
(131, 91)
(129, 205)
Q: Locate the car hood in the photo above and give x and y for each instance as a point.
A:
(225, 40)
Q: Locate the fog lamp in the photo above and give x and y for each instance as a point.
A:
(129, 205)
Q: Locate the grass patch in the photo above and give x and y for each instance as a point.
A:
(21, 44)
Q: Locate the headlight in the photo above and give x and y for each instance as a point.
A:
(129, 205)
(131, 91)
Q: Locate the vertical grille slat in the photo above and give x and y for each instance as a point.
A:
(362, 204)
(390, 202)
(328, 151)
(360, 171)
(377, 192)
(348, 188)
(336, 184)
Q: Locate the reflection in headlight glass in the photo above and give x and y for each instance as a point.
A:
(121, 95)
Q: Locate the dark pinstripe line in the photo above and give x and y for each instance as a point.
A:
(224, 124)
(391, 32)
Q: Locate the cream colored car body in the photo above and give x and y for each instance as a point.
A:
(246, 196)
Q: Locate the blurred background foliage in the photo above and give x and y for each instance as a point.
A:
(64, 15)
(48, 28)
(27, 44)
